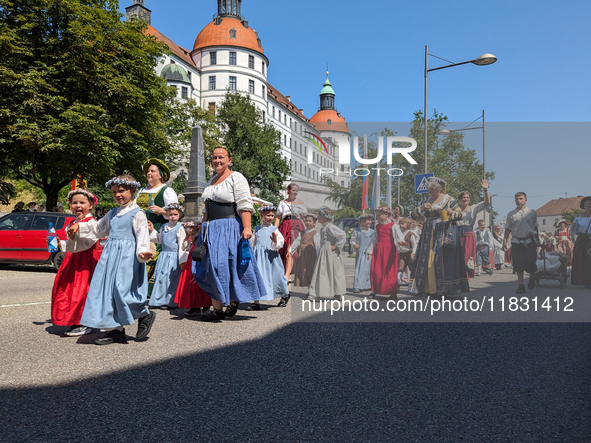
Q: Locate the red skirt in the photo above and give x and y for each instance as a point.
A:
(189, 294)
(70, 287)
(468, 241)
(384, 268)
(508, 256)
(289, 228)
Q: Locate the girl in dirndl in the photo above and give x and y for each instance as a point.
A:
(564, 244)
(307, 247)
(72, 281)
(289, 221)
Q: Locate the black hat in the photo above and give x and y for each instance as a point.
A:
(583, 202)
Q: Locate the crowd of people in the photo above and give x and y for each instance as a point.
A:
(152, 260)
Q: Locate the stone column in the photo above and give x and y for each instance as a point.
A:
(196, 182)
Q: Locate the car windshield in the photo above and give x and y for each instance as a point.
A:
(15, 222)
(41, 222)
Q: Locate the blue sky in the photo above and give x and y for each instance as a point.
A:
(375, 51)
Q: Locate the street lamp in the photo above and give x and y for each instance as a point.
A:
(483, 60)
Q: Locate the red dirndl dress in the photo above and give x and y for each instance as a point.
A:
(289, 228)
(71, 284)
(384, 262)
(468, 242)
(189, 294)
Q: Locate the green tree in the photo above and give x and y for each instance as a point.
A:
(255, 145)
(78, 92)
(569, 216)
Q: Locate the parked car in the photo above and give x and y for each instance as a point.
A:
(23, 237)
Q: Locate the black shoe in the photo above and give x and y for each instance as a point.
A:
(254, 307)
(372, 295)
(520, 289)
(489, 271)
(232, 309)
(144, 325)
(284, 300)
(531, 284)
(337, 297)
(114, 336)
(165, 308)
(393, 297)
(356, 291)
(213, 315)
(193, 312)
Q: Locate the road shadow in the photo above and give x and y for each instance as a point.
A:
(337, 382)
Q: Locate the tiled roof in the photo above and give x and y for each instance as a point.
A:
(219, 35)
(337, 121)
(559, 205)
(285, 102)
(177, 50)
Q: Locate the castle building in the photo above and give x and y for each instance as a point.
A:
(228, 54)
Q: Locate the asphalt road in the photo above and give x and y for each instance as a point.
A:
(265, 377)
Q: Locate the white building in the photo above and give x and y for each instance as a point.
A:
(228, 54)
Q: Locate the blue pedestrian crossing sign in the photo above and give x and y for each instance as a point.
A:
(421, 183)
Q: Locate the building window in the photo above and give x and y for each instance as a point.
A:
(251, 61)
(305, 150)
(212, 107)
(285, 119)
(279, 116)
(232, 83)
(264, 91)
(233, 34)
(212, 82)
(189, 74)
(300, 129)
(544, 221)
(305, 171)
(300, 168)
(263, 68)
(184, 92)
(251, 86)
(329, 121)
(342, 183)
(273, 111)
(232, 58)
(285, 139)
(263, 116)
(213, 58)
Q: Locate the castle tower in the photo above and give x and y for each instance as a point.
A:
(139, 11)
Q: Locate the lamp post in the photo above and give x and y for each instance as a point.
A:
(483, 60)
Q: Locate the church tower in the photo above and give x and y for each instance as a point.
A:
(327, 96)
(139, 11)
(230, 8)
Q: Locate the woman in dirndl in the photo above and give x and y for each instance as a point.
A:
(152, 199)
(439, 266)
(225, 273)
(288, 220)
(466, 224)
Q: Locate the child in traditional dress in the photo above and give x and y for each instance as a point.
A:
(307, 247)
(484, 243)
(550, 242)
(266, 242)
(498, 254)
(362, 240)
(384, 262)
(328, 278)
(188, 293)
(72, 281)
(564, 244)
(172, 258)
(406, 243)
(119, 288)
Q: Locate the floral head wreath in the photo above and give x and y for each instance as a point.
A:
(309, 214)
(268, 208)
(385, 210)
(401, 209)
(325, 212)
(364, 216)
(122, 182)
(84, 192)
(192, 225)
(174, 206)
(563, 221)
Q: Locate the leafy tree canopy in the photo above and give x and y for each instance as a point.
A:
(78, 92)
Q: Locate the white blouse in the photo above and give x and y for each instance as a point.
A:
(103, 227)
(274, 246)
(181, 238)
(471, 215)
(234, 189)
(78, 244)
(399, 236)
(169, 195)
(286, 209)
(298, 241)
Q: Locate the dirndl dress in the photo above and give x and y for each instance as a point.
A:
(364, 240)
(328, 278)
(71, 284)
(384, 262)
(269, 264)
(119, 288)
(188, 294)
(168, 270)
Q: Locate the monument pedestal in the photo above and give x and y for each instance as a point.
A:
(196, 182)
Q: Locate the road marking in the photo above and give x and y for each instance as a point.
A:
(26, 304)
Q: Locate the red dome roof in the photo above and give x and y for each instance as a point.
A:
(320, 120)
(219, 35)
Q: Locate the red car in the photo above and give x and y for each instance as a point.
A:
(23, 237)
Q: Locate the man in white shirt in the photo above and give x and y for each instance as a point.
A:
(522, 223)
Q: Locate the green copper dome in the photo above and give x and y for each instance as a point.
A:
(327, 87)
(175, 73)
